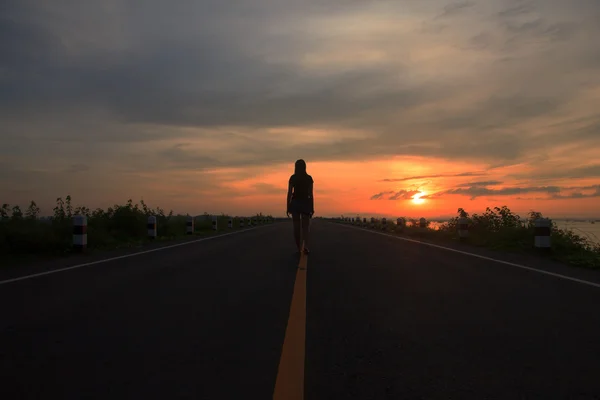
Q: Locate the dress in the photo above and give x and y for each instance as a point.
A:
(301, 202)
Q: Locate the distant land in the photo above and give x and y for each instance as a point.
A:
(444, 218)
(437, 219)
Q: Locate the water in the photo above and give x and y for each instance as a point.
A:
(582, 228)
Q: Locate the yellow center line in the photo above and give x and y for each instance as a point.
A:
(290, 375)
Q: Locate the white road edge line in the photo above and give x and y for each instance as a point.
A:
(54, 271)
(480, 256)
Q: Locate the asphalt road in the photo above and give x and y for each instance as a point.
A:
(384, 319)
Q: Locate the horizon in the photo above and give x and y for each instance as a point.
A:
(412, 108)
(522, 214)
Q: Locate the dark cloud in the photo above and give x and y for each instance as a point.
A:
(188, 77)
(575, 193)
(430, 27)
(555, 192)
(550, 173)
(538, 29)
(178, 157)
(477, 191)
(579, 194)
(589, 187)
(396, 195)
(404, 194)
(455, 8)
(196, 80)
(523, 7)
(481, 183)
(103, 83)
(584, 131)
(497, 112)
(481, 41)
(380, 196)
(431, 176)
(435, 195)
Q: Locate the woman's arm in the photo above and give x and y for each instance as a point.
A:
(311, 196)
(289, 197)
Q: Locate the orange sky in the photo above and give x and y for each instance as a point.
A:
(346, 188)
(341, 188)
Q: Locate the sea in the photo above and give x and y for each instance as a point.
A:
(586, 229)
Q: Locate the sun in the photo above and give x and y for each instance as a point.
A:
(417, 198)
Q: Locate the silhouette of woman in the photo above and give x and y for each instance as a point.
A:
(300, 203)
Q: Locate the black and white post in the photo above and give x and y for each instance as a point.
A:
(152, 227)
(542, 230)
(400, 224)
(79, 233)
(214, 222)
(189, 225)
(463, 228)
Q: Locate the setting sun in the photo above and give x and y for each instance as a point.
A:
(417, 198)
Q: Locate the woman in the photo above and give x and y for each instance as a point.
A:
(300, 203)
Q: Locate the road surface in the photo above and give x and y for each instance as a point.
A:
(364, 316)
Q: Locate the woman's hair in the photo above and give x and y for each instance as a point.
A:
(300, 167)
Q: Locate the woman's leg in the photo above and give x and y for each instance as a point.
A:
(305, 228)
(296, 220)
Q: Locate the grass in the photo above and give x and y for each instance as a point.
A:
(500, 229)
(24, 235)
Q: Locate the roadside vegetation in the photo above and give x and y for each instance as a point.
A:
(500, 229)
(25, 233)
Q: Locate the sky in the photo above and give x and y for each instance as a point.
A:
(399, 107)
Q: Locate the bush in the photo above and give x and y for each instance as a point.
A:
(499, 228)
(121, 225)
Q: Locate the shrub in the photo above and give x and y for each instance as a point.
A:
(119, 225)
(499, 228)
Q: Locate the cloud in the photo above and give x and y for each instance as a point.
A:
(404, 194)
(178, 157)
(481, 183)
(522, 7)
(475, 191)
(380, 196)
(185, 79)
(478, 189)
(410, 178)
(555, 192)
(455, 8)
(578, 194)
(200, 86)
(396, 195)
(435, 195)
(549, 173)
